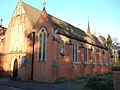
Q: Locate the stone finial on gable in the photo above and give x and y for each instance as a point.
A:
(44, 5)
(1, 22)
(44, 12)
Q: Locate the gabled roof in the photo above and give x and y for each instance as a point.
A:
(74, 32)
(63, 27)
(32, 13)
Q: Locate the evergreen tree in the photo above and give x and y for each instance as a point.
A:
(103, 38)
(109, 43)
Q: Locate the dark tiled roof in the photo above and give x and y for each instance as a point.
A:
(75, 33)
(2, 34)
(63, 27)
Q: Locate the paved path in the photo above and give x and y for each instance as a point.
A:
(2, 87)
(20, 85)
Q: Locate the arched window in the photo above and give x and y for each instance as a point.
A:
(21, 37)
(11, 39)
(42, 39)
(16, 35)
(86, 55)
(62, 48)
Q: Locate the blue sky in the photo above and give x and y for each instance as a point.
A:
(104, 15)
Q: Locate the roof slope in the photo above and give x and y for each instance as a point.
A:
(63, 27)
(32, 13)
(74, 32)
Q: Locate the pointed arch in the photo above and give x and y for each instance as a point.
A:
(12, 64)
(19, 9)
(75, 52)
(16, 35)
(42, 44)
(21, 37)
(62, 47)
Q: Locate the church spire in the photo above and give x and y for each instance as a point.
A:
(88, 29)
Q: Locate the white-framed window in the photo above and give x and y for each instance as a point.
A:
(75, 53)
(42, 45)
(21, 37)
(94, 55)
(11, 39)
(100, 56)
(106, 58)
(15, 36)
(85, 55)
(62, 48)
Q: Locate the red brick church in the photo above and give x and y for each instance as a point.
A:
(43, 48)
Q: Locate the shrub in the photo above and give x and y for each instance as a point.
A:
(61, 80)
(90, 75)
(107, 73)
(117, 64)
(99, 74)
(81, 77)
(99, 84)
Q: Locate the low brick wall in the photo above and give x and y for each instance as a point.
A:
(116, 78)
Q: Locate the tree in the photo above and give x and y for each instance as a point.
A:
(103, 38)
(115, 42)
(109, 43)
(116, 47)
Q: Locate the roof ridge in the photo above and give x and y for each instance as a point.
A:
(33, 15)
(65, 22)
(53, 16)
(64, 25)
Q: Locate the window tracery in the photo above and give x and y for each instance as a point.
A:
(42, 39)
